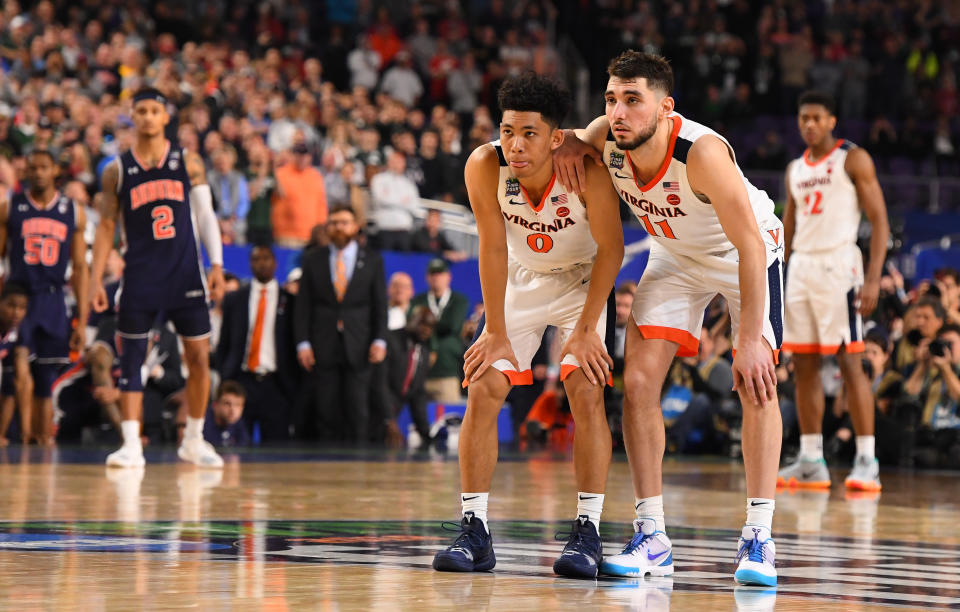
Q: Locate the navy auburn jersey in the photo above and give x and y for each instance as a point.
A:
(162, 261)
(40, 235)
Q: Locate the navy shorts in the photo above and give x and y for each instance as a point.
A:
(192, 322)
(45, 330)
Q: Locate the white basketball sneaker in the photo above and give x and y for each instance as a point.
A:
(865, 475)
(199, 452)
(128, 456)
(805, 474)
(648, 552)
(756, 558)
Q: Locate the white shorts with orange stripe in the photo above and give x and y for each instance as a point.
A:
(533, 301)
(675, 290)
(821, 302)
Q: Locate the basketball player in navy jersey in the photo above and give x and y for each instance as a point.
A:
(155, 190)
(13, 308)
(44, 229)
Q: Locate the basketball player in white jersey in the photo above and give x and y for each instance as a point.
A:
(827, 294)
(542, 262)
(713, 233)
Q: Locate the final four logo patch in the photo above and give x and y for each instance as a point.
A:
(616, 160)
(513, 187)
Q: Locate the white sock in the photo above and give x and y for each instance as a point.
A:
(760, 512)
(811, 446)
(865, 446)
(476, 503)
(651, 508)
(590, 505)
(131, 434)
(194, 428)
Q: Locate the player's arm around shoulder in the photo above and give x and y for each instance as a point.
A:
(577, 144)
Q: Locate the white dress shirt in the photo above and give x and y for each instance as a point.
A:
(268, 346)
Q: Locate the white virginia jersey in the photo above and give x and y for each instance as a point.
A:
(667, 206)
(547, 236)
(828, 212)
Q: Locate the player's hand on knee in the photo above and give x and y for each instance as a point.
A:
(99, 301)
(590, 353)
(753, 372)
(487, 350)
(569, 164)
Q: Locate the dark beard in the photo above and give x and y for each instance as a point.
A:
(639, 140)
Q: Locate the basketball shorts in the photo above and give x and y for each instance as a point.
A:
(192, 322)
(821, 302)
(534, 300)
(675, 290)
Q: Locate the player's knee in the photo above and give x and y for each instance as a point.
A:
(197, 359)
(586, 400)
(641, 390)
(490, 390)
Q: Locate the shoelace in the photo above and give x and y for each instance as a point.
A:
(575, 539)
(754, 551)
(636, 542)
(472, 537)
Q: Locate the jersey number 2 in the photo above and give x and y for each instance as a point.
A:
(813, 208)
(163, 228)
(41, 250)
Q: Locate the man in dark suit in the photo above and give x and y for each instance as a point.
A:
(340, 326)
(255, 347)
(408, 360)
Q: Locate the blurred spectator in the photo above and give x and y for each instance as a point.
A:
(430, 239)
(364, 64)
(254, 347)
(262, 187)
(395, 198)
(399, 294)
(224, 425)
(408, 361)
(624, 309)
(232, 195)
(300, 201)
(769, 154)
(401, 82)
(450, 309)
(340, 328)
(921, 323)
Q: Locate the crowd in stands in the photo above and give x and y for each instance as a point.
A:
(365, 109)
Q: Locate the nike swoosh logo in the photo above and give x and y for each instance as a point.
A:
(588, 497)
(469, 498)
(584, 282)
(516, 203)
(618, 175)
(806, 475)
(761, 503)
(659, 554)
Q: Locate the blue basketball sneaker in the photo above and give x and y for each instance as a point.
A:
(472, 551)
(584, 550)
(648, 552)
(756, 557)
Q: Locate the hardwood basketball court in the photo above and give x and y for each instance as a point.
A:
(357, 531)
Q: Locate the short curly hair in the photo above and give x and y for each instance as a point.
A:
(530, 92)
(818, 97)
(632, 64)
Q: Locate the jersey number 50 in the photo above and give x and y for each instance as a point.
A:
(41, 250)
(163, 228)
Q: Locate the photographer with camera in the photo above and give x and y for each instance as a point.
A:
(931, 393)
(921, 323)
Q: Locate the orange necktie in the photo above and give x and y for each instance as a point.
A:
(340, 282)
(253, 360)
